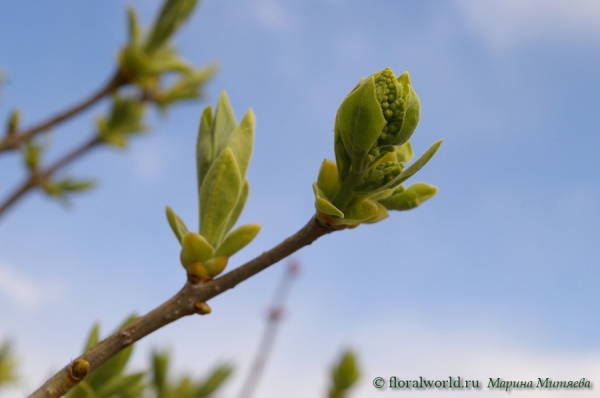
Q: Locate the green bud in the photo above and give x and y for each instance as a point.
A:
(196, 273)
(202, 308)
(196, 247)
(79, 369)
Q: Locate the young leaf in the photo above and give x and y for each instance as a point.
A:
(410, 198)
(408, 172)
(213, 382)
(241, 141)
(204, 145)
(359, 121)
(223, 124)
(344, 374)
(329, 179)
(237, 210)
(93, 337)
(218, 195)
(363, 211)
(237, 239)
(178, 226)
(196, 248)
(172, 15)
(324, 205)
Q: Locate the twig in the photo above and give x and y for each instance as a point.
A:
(268, 338)
(12, 141)
(37, 178)
(180, 305)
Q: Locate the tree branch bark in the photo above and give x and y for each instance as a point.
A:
(36, 178)
(180, 305)
(12, 141)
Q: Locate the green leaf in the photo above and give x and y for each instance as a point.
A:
(345, 374)
(324, 205)
(218, 196)
(126, 118)
(160, 367)
(329, 179)
(409, 171)
(241, 141)
(122, 386)
(133, 28)
(204, 145)
(188, 87)
(363, 211)
(213, 382)
(178, 226)
(196, 247)
(82, 390)
(7, 364)
(237, 239)
(93, 337)
(239, 207)
(404, 153)
(223, 124)
(342, 159)
(383, 214)
(173, 14)
(360, 121)
(112, 367)
(410, 198)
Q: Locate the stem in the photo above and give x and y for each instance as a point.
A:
(345, 195)
(268, 338)
(178, 306)
(37, 178)
(12, 141)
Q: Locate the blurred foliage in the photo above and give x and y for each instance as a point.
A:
(7, 364)
(111, 380)
(344, 375)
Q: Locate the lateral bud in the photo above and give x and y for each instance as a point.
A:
(201, 308)
(79, 369)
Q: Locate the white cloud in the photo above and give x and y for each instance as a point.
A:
(26, 291)
(507, 23)
(271, 14)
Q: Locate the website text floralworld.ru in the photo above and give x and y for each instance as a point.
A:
(460, 383)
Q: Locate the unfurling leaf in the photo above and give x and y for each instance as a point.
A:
(237, 239)
(177, 225)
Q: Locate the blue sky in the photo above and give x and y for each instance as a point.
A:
(497, 276)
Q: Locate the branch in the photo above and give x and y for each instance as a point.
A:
(37, 178)
(183, 303)
(12, 141)
(268, 338)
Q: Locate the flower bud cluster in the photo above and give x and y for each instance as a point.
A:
(372, 128)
